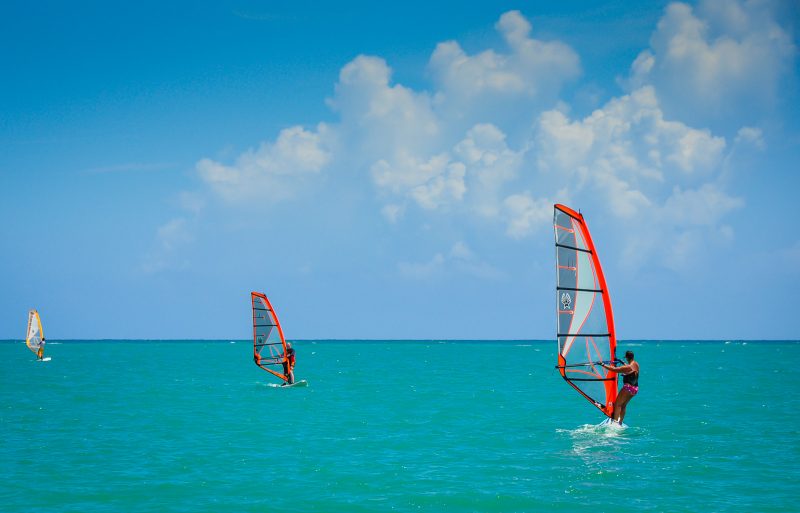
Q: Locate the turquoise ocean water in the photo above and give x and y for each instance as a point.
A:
(394, 426)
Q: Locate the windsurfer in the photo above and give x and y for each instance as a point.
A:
(40, 352)
(630, 384)
(288, 364)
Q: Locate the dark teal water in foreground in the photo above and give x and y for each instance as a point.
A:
(394, 426)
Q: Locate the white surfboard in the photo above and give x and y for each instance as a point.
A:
(46, 359)
(613, 424)
(301, 383)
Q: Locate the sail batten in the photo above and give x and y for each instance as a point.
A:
(585, 323)
(269, 344)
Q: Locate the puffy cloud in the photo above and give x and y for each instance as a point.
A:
(448, 150)
(440, 188)
(273, 169)
(431, 184)
(682, 228)
(722, 60)
(471, 174)
(460, 259)
(751, 135)
(378, 119)
(422, 270)
(410, 144)
(532, 69)
(392, 212)
(174, 233)
(657, 177)
(525, 214)
(623, 200)
(626, 150)
(465, 261)
(490, 164)
(704, 206)
(406, 172)
(170, 237)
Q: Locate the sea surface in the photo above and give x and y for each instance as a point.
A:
(191, 426)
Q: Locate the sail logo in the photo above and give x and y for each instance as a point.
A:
(566, 301)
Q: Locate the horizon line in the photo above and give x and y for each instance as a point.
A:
(537, 340)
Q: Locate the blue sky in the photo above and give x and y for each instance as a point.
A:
(389, 171)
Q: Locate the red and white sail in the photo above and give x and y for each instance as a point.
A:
(585, 334)
(269, 345)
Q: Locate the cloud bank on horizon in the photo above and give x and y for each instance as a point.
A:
(493, 141)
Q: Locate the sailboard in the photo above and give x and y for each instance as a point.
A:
(585, 332)
(35, 335)
(610, 423)
(269, 345)
(299, 384)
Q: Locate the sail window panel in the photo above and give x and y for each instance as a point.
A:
(583, 356)
(270, 337)
(586, 274)
(581, 312)
(585, 349)
(566, 238)
(564, 228)
(594, 388)
(568, 231)
(567, 278)
(566, 257)
(565, 234)
(564, 321)
(596, 322)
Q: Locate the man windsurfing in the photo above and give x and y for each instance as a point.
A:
(40, 351)
(288, 364)
(630, 385)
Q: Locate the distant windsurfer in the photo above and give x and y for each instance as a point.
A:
(40, 351)
(288, 364)
(630, 385)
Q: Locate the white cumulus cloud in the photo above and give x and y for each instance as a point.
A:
(626, 151)
(720, 60)
(532, 71)
(380, 119)
(273, 169)
(492, 144)
(526, 214)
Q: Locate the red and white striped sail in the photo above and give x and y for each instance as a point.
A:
(586, 334)
(269, 345)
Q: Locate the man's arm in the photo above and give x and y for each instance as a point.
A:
(625, 369)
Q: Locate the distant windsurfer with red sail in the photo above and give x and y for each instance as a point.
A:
(630, 384)
(271, 351)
